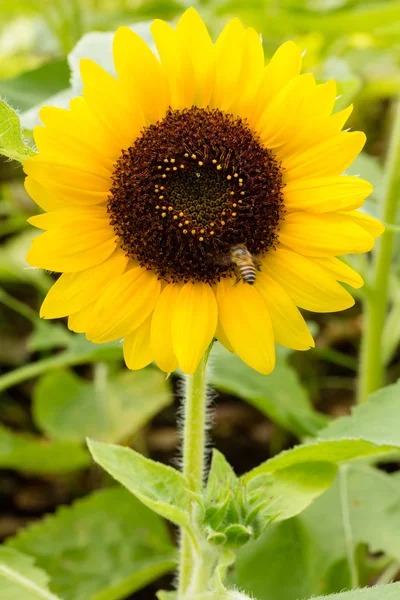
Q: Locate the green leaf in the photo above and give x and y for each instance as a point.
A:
(158, 486)
(103, 547)
(375, 421)
(11, 143)
(348, 83)
(33, 87)
(32, 454)
(379, 592)
(19, 578)
(48, 335)
(69, 408)
(309, 553)
(371, 430)
(287, 492)
(279, 395)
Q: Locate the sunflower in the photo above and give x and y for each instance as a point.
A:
(151, 178)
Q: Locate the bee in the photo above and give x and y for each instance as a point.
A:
(246, 264)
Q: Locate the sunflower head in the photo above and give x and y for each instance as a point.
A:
(167, 168)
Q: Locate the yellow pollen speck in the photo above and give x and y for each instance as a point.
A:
(240, 180)
(164, 208)
(163, 175)
(212, 224)
(159, 167)
(186, 222)
(193, 156)
(181, 214)
(160, 197)
(180, 224)
(235, 175)
(170, 208)
(165, 159)
(186, 155)
(172, 160)
(163, 214)
(212, 232)
(175, 217)
(219, 167)
(233, 214)
(229, 176)
(240, 201)
(182, 166)
(184, 230)
(232, 193)
(193, 231)
(158, 206)
(168, 169)
(242, 193)
(201, 239)
(201, 163)
(240, 184)
(201, 230)
(174, 168)
(214, 162)
(222, 222)
(234, 205)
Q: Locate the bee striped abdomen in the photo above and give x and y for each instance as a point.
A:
(248, 273)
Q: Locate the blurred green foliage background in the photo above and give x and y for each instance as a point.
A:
(56, 388)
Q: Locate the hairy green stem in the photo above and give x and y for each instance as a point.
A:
(372, 373)
(194, 438)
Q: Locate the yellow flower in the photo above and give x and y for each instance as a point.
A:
(149, 180)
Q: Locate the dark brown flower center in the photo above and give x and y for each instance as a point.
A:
(190, 188)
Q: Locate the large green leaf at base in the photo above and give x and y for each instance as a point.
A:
(309, 553)
(20, 579)
(104, 547)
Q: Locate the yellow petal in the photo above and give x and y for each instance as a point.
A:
(137, 347)
(373, 226)
(46, 171)
(247, 324)
(67, 249)
(105, 99)
(161, 328)
(221, 337)
(71, 152)
(330, 157)
(42, 196)
(326, 194)
(74, 291)
(194, 35)
(309, 285)
(324, 235)
(176, 63)
(140, 74)
(80, 321)
(81, 127)
(125, 304)
(229, 49)
(283, 66)
(340, 271)
(194, 321)
(280, 120)
(251, 72)
(67, 216)
(289, 327)
(314, 132)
